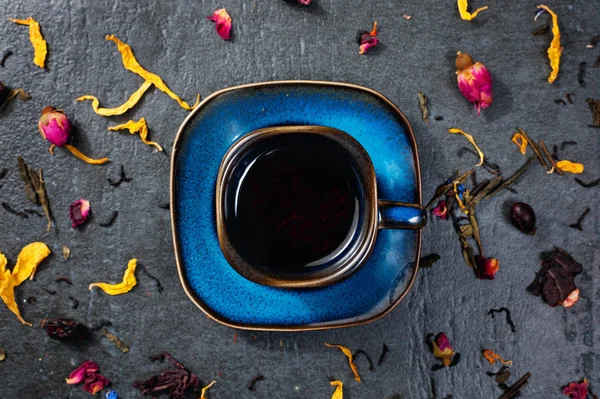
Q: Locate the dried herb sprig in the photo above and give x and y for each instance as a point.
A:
(508, 317)
(577, 225)
(35, 188)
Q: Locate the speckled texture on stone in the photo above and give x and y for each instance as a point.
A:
(279, 40)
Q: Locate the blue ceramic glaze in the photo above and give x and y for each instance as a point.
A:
(205, 137)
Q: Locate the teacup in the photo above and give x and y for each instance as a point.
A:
(297, 206)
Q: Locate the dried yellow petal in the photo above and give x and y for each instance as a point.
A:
(83, 157)
(126, 285)
(492, 357)
(137, 127)
(7, 293)
(472, 141)
(40, 47)
(339, 389)
(131, 64)
(206, 388)
(28, 260)
(521, 142)
(121, 109)
(348, 354)
(555, 50)
(464, 14)
(571, 167)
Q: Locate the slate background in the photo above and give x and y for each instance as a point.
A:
(281, 40)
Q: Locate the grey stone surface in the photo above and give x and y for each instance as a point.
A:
(279, 40)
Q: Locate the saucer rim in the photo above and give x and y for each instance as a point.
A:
(306, 327)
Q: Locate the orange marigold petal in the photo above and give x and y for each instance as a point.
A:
(40, 47)
(124, 286)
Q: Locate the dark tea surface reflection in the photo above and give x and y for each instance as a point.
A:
(295, 205)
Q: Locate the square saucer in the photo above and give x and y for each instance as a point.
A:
(206, 135)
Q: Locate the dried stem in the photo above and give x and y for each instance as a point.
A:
(513, 178)
(534, 147)
(550, 158)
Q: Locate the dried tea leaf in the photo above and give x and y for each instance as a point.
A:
(339, 389)
(555, 50)
(137, 127)
(423, 102)
(131, 64)
(206, 388)
(35, 189)
(384, 352)
(428, 260)
(508, 317)
(570, 167)
(595, 108)
(491, 357)
(464, 14)
(121, 109)
(40, 48)
(126, 285)
(348, 354)
(116, 341)
(472, 141)
(66, 252)
(2, 355)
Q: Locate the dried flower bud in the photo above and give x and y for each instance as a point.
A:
(367, 40)
(474, 81)
(54, 126)
(222, 22)
(79, 212)
(577, 390)
(441, 210)
(522, 217)
(486, 267)
(65, 329)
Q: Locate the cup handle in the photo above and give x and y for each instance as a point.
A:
(400, 215)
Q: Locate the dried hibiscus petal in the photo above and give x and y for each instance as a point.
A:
(367, 40)
(79, 212)
(65, 329)
(222, 21)
(40, 48)
(176, 382)
(126, 285)
(576, 390)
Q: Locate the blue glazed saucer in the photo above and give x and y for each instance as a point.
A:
(205, 136)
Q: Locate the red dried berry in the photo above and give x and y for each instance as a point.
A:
(522, 217)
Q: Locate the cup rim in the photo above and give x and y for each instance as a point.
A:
(172, 194)
(366, 232)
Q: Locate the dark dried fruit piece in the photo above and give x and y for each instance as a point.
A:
(65, 329)
(522, 217)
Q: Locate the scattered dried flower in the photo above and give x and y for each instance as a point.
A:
(441, 210)
(486, 268)
(339, 389)
(126, 285)
(555, 50)
(555, 281)
(522, 217)
(348, 354)
(27, 262)
(55, 127)
(40, 48)
(464, 14)
(367, 40)
(472, 141)
(474, 81)
(442, 350)
(407, 17)
(222, 22)
(175, 382)
(571, 299)
(138, 127)
(79, 212)
(570, 167)
(520, 141)
(121, 109)
(491, 357)
(577, 390)
(206, 388)
(93, 382)
(65, 329)
(305, 2)
(80, 373)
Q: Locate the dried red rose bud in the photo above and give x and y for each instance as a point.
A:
(79, 212)
(522, 217)
(54, 126)
(65, 329)
(486, 267)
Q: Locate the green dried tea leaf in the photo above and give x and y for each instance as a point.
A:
(116, 341)
(35, 188)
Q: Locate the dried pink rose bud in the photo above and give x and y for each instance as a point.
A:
(474, 81)
(222, 22)
(54, 126)
(79, 212)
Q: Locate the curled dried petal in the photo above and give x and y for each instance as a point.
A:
(28, 260)
(85, 158)
(491, 357)
(472, 141)
(81, 372)
(131, 64)
(94, 383)
(442, 349)
(222, 21)
(464, 14)
(555, 50)
(348, 354)
(576, 390)
(368, 40)
(520, 141)
(570, 167)
(571, 299)
(40, 47)
(441, 210)
(121, 109)
(126, 285)
(137, 127)
(339, 389)
(79, 212)
(206, 388)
